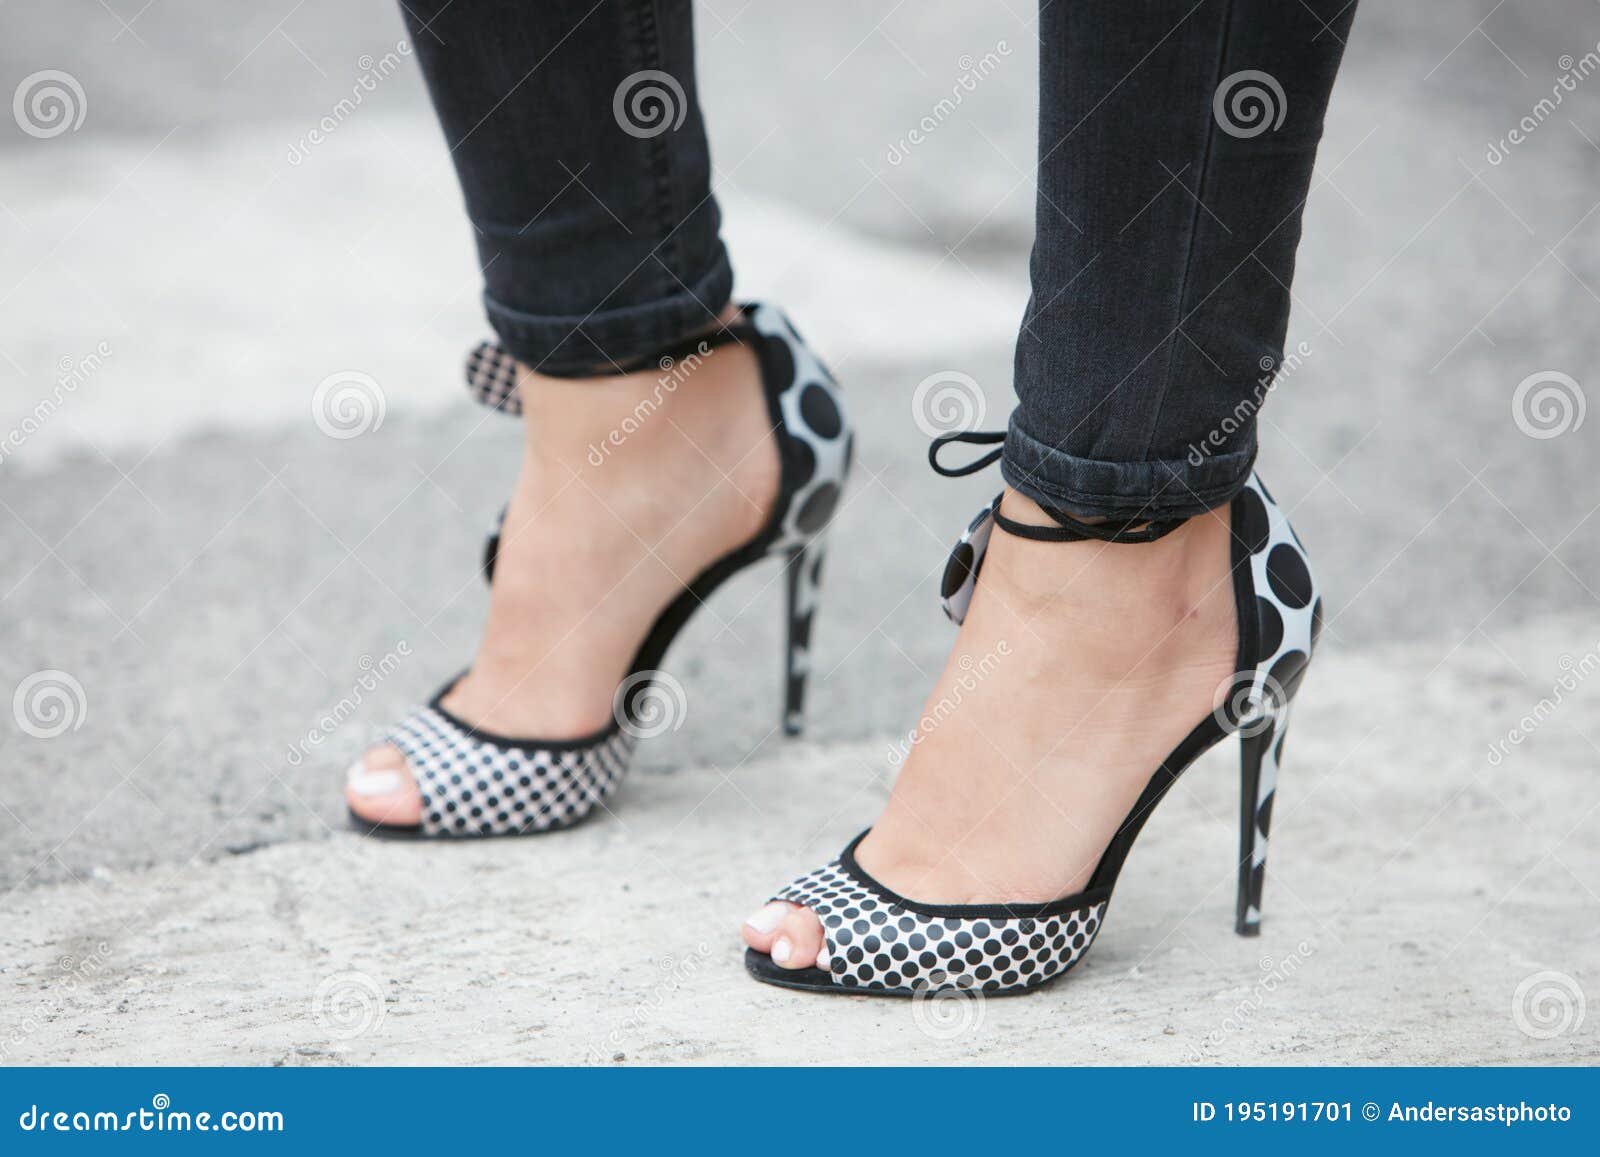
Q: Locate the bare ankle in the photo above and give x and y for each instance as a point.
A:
(1140, 604)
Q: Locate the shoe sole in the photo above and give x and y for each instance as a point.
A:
(408, 832)
(760, 966)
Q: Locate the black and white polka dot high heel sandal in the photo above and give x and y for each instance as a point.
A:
(880, 943)
(475, 783)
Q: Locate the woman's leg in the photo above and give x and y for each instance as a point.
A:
(1166, 235)
(598, 239)
(1170, 196)
(575, 130)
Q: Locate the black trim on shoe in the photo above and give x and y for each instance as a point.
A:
(514, 742)
(1037, 911)
(763, 968)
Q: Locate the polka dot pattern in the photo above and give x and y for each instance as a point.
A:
(492, 378)
(877, 941)
(966, 560)
(1289, 615)
(816, 428)
(1288, 576)
(474, 786)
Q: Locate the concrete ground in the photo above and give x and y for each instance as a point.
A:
(213, 574)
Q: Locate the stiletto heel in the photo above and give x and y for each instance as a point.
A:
(1260, 755)
(804, 591)
(877, 942)
(474, 783)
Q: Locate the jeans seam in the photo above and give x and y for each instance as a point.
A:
(648, 41)
(1194, 226)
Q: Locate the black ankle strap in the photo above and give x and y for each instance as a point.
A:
(974, 437)
(1070, 529)
(1067, 528)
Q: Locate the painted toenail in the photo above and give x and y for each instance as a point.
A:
(376, 783)
(768, 918)
(824, 957)
(782, 950)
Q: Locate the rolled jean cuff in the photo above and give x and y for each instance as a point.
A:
(597, 341)
(1089, 488)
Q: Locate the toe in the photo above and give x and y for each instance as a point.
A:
(379, 788)
(788, 933)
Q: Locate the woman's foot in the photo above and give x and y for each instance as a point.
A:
(1079, 667)
(630, 487)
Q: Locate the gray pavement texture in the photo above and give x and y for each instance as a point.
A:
(217, 575)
